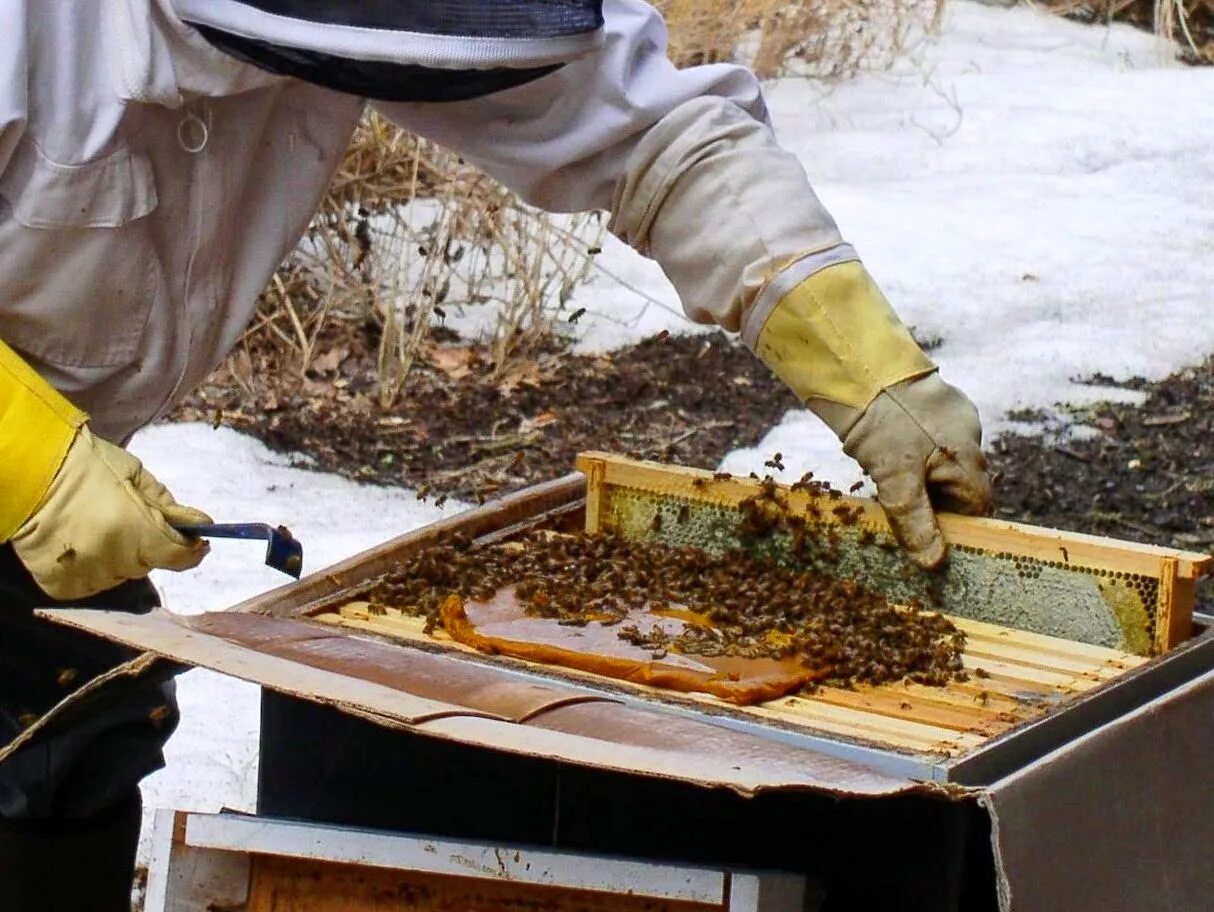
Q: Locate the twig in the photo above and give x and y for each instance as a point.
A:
(1066, 451)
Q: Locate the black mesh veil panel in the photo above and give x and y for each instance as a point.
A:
(402, 50)
(369, 78)
(468, 18)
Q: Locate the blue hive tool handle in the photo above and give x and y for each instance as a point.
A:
(226, 530)
(283, 551)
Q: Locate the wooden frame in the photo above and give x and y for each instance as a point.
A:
(1176, 571)
(257, 864)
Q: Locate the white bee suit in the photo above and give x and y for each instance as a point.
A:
(150, 184)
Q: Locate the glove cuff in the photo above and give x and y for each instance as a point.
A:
(824, 327)
(37, 427)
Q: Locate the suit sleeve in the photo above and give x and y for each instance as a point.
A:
(685, 161)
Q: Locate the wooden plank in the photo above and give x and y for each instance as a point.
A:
(975, 718)
(594, 482)
(183, 878)
(1030, 658)
(1179, 594)
(858, 724)
(298, 885)
(963, 696)
(321, 589)
(1040, 642)
(985, 706)
(1026, 675)
(449, 857)
(978, 532)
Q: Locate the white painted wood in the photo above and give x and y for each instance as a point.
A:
(231, 833)
(767, 892)
(185, 879)
(159, 859)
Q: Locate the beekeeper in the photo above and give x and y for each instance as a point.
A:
(160, 158)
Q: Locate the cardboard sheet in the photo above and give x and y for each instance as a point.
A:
(620, 737)
(1119, 820)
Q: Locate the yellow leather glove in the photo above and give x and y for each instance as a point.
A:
(82, 514)
(827, 331)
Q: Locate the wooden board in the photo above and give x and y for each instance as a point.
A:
(1147, 592)
(303, 885)
(1028, 674)
(554, 504)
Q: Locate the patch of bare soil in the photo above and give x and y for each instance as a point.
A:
(456, 432)
(1145, 473)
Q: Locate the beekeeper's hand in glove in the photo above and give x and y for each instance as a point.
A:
(828, 332)
(731, 217)
(81, 514)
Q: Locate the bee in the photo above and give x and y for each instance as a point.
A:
(981, 673)
(159, 714)
(577, 315)
(721, 476)
(656, 524)
(440, 500)
(516, 461)
(776, 462)
(804, 483)
(423, 492)
(663, 335)
(684, 514)
(856, 487)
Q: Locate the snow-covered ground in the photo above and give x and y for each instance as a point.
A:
(1035, 192)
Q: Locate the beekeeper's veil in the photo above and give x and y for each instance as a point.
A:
(402, 50)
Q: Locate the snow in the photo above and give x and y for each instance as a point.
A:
(212, 758)
(1033, 191)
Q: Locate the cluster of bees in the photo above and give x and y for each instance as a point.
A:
(740, 604)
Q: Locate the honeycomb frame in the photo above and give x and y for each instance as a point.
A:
(1088, 589)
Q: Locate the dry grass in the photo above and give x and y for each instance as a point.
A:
(1190, 23)
(408, 232)
(823, 38)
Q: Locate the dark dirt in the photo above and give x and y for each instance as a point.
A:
(1147, 474)
(689, 399)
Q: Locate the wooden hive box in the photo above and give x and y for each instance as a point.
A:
(1062, 629)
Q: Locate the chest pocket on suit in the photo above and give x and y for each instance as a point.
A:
(78, 266)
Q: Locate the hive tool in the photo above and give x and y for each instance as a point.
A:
(283, 551)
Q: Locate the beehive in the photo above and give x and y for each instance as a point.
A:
(1054, 621)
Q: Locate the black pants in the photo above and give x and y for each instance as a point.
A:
(93, 755)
